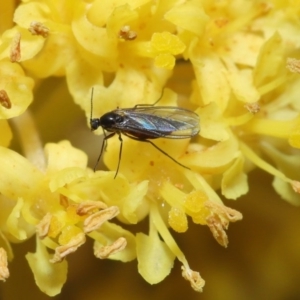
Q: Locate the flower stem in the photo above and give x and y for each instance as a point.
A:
(30, 140)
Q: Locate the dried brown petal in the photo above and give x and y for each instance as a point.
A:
(253, 108)
(64, 201)
(94, 221)
(127, 34)
(106, 251)
(293, 65)
(218, 220)
(4, 99)
(62, 251)
(225, 213)
(215, 226)
(4, 272)
(42, 228)
(221, 22)
(196, 281)
(296, 186)
(15, 50)
(38, 28)
(89, 206)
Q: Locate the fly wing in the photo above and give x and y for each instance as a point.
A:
(160, 121)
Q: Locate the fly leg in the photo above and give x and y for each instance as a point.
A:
(104, 142)
(159, 149)
(120, 153)
(141, 105)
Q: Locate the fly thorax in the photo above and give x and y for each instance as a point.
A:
(111, 120)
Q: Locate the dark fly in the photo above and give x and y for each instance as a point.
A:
(144, 122)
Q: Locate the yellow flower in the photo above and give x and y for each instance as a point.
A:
(49, 204)
(230, 60)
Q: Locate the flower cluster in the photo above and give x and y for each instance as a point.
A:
(242, 58)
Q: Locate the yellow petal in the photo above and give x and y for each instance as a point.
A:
(134, 206)
(241, 82)
(81, 76)
(235, 181)
(155, 260)
(288, 164)
(172, 195)
(18, 88)
(129, 87)
(212, 125)
(210, 72)
(29, 45)
(59, 51)
(101, 10)
(166, 42)
(13, 183)
(258, 161)
(63, 155)
(64, 177)
(34, 11)
(92, 38)
(111, 232)
(112, 191)
(134, 165)
(188, 16)
(122, 15)
(59, 48)
(286, 191)
(212, 159)
(199, 183)
(270, 63)
(16, 225)
(68, 233)
(244, 47)
(165, 60)
(49, 277)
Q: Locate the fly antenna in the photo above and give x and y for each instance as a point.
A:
(92, 94)
(160, 97)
